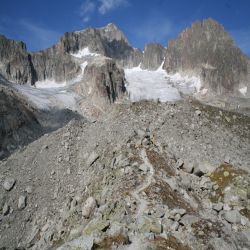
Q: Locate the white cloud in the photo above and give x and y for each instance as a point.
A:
(86, 9)
(108, 5)
(156, 28)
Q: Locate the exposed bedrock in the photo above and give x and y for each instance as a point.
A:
(104, 82)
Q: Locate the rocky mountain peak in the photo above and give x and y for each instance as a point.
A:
(206, 50)
(112, 32)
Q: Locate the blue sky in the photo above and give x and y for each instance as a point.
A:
(40, 23)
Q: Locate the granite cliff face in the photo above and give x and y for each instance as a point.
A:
(15, 62)
(104, 82)
(153, 56)
(206, 50)
(20, 66)
(108, 41)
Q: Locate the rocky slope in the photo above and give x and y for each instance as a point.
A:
(146, 175)
(21, 122)
(206, 50)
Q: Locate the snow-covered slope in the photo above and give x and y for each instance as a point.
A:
(158, 85)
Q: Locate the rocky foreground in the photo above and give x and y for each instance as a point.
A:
(144, 176)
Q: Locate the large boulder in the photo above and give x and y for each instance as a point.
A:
(153, 56)
(206, 50)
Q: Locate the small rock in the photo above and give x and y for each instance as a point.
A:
(227, 119)
(22, 202)
(28, 189)
(92, 158)
(45, 147)
(179, 163)
(144, 168)
(189, 219)
(218, 206)
(198, 112)
(232, 216)
(226, 173)
(89, 206)
(6, 209)
(155, 227)
(9, 183)
(188, 167)
(174, 226)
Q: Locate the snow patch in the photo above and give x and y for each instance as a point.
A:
(49, 84)
(243, 90)
(149, 85)
(83, 53)
(158, 85)
(49, 98)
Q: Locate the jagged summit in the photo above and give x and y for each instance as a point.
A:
(207, 50)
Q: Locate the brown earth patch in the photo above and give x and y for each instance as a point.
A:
(160, 243)
(111, 243)
(159, 162)
(205, 230)
(161, 190)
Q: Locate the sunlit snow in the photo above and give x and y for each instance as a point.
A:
(158, 85)
(83, 53)
(49, 98)
(243, 90)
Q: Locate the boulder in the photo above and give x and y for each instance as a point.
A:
(22, 202)
(233, 216)
(9, 183)
(89, 206)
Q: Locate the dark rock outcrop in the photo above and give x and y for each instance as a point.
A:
(206, 50)
(103, 82)
(153, 56)
(18, 124)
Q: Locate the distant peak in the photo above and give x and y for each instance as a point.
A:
(112, 26)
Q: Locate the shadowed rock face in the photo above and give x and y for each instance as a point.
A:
(53, 64)
(18, 124)
(207, 51)
(104, 82)
(153, 56)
